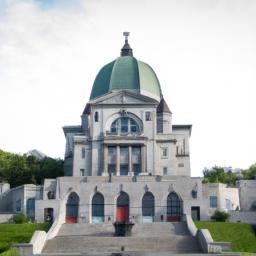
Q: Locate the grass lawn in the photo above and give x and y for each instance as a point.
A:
(241, 236)
(17, 233)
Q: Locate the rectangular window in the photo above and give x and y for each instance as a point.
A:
(228, 204)
(136, 155)
(124, 155)
(165, 152)
(18, 205)
(82, 172)
(148, 116)
(111, 155)
(136, 168)
(213, 202)
(83, 152)
(165, 170)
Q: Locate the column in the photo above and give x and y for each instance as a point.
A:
(143, 158)
(130, 172)
(118, 160)
(105, 170)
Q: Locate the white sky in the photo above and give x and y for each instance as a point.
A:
(203, 51)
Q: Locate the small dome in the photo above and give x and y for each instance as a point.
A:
(126, 72)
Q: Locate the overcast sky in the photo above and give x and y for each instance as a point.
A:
(203, 52)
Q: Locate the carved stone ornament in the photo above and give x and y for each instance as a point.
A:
(146, 188)
(120, 188)
(170, 189)
(96, 189)
(123, 112)
(194, 193)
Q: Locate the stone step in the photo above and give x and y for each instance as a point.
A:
(135, 254)
(82, 244)
(139, 230)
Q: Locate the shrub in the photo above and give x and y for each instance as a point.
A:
(20, 218)
(220, 216)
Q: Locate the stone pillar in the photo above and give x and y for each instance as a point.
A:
(118, 160)
(105, 170)
(130, 172)
(143, 158)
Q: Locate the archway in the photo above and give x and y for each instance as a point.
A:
(174, 207)
(148, 207)
(122, 207)
(98, 208)
(72, 208)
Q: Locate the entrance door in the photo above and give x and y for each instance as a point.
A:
(174, 207)
(148, 207)
(124, 169)
(48, 215)
(98, 208)
(122, 211)
(122, 214)
(195, 212)
(72, 208)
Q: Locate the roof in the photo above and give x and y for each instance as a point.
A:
(126, 72)
(183, 127)
(87, 109)
(163, 107)
(72, 129)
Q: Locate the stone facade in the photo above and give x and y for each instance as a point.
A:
(126, 160)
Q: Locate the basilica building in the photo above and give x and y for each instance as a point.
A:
(126, 160)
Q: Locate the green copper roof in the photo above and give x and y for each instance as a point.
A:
(128, 73)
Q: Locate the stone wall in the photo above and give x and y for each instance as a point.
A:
(247, 192)
(86, 187)
(243, 216)
(6, 217)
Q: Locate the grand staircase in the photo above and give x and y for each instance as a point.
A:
(149, 239)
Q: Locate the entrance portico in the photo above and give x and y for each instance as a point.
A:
(124, 159)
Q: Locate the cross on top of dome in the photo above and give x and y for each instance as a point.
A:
(126, 50)
(126, 34)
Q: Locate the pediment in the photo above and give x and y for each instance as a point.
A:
(123, 97)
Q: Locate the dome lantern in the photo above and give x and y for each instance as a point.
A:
(127, 73)
(126, 50)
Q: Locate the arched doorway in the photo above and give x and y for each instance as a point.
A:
(72, 208)
(98, 208)
(122, 207)
(148, 207)
(174, 207)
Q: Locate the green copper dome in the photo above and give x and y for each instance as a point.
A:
(126, 72)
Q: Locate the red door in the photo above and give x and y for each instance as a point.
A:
(122, 214)
(71, 219)
(173, 218)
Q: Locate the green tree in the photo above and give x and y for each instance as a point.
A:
(19, 169)
(217, 174)
(49, 168)
(249, 174)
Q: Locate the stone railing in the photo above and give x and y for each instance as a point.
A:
(39, 238)
(204, 238)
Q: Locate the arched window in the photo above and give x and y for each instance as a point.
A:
(72, 208)
(122, 207)
(98, 208)
(96, 116)
(148, 207)
(174, 207)
(124, 125)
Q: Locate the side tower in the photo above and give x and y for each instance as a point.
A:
(126, 126)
